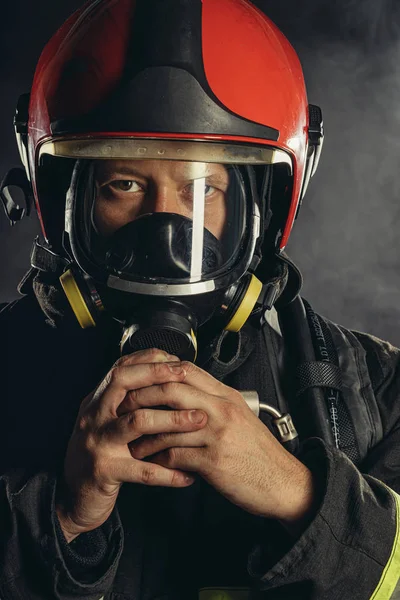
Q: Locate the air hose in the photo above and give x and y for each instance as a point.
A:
(310, 411)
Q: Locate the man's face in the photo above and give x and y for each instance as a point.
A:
(127, 189)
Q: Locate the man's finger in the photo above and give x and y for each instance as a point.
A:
(122, 379)
(190, 459)
(174, 394)
(203, 381)
(130, 470)
(149, 445)
(145, 421)
(141, 357)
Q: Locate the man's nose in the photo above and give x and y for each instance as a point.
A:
(162, 199)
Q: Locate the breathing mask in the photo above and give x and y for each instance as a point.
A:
(164, 245)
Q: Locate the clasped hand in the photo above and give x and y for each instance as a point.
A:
(206, 428)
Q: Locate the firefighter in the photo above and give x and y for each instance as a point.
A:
(178, 422)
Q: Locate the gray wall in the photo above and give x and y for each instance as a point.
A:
(346, 240)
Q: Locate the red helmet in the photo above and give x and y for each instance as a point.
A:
(124, 77)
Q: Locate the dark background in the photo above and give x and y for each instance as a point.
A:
(347, 238)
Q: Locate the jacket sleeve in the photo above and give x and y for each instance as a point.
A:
(352, 546)
(351, 549)
(33, 563)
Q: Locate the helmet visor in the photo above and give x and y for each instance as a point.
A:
(158, 211)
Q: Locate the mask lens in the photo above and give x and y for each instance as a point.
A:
(150, 220)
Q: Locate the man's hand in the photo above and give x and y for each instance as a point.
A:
(235, 452)
(98, 458)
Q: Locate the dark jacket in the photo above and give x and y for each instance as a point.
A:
(167, 544)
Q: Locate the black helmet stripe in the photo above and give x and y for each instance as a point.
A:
(166, 33)
(164, 88)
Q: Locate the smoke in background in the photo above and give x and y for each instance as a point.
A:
(346, 240)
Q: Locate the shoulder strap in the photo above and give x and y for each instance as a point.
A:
(353, 409)
(342, 424)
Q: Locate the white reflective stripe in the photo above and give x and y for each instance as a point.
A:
(389, 585)
(198, 230)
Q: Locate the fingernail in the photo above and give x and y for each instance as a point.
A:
(189, 479)
(173, 358)
(196, 416)
(176, 370)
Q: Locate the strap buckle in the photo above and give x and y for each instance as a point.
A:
(16, 178)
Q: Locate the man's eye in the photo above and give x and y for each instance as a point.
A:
(208, 190)
(125, 185)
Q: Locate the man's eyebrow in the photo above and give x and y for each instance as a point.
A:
(108, 173)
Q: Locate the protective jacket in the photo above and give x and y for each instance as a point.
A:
(185, 544)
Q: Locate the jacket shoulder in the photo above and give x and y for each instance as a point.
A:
(379, 360)
(382, 358)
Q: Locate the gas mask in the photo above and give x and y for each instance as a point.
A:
(164, 246)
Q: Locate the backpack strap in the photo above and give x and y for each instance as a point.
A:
(327, 366)
(358, 411)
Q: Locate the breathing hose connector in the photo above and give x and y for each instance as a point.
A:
(283, 423)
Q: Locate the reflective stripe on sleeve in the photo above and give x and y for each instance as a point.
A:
(388, 587)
